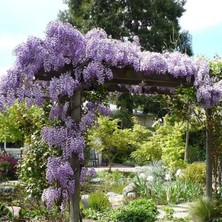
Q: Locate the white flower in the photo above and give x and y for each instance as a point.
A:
(167, 176)
(178, 173)
(150, 178)
(142, 176)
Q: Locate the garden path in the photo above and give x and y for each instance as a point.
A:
(123, 168)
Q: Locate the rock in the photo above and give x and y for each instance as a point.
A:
(161, 214)
(111, 194)
(132, 195)
(129, 188)
(6, 189)
(115, 199)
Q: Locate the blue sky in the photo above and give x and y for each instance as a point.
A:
(22, 18)
(203, 19)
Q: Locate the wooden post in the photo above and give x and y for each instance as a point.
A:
(209, 164)
(75, 105)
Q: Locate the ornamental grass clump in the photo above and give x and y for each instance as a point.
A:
(206, 210)
(98, 201)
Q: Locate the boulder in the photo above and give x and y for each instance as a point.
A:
(132, 195)
(115, 199)
(129, 189)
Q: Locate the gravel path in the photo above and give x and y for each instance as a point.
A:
(122, 168)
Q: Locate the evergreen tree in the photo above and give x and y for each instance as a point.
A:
(154, 21)
(156, 24)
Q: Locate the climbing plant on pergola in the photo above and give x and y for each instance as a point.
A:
(59, 67)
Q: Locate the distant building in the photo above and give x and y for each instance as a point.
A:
(13, 149)
(143, 119)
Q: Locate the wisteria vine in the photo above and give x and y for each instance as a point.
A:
(90, 57)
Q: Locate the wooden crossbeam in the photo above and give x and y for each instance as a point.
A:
(128, 76)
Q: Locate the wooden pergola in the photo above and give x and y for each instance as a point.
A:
(122, 79)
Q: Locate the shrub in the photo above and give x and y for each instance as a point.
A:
(8, 166)
(32, 167)
(101, 216)
(139, 210)
(195, 172)
(98, 201)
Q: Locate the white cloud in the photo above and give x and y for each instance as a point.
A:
(201, 14)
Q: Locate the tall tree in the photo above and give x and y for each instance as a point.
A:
(156, 24)
(154, 21)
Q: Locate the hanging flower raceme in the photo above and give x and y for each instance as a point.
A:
(70, 141)
(65, 85)
(58, 172)
(59, 111)
(209, 92)
(64, 45)
(54, 136)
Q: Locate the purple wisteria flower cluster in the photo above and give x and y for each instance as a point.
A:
(90, 58)
(209, 91)
(69, 138)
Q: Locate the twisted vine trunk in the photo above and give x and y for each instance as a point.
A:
(75, 104)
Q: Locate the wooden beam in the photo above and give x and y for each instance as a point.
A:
(112, 87)
(42, 75)
(127, 76)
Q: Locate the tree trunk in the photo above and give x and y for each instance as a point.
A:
(209, 153)
(111, 162)
(75, 103)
